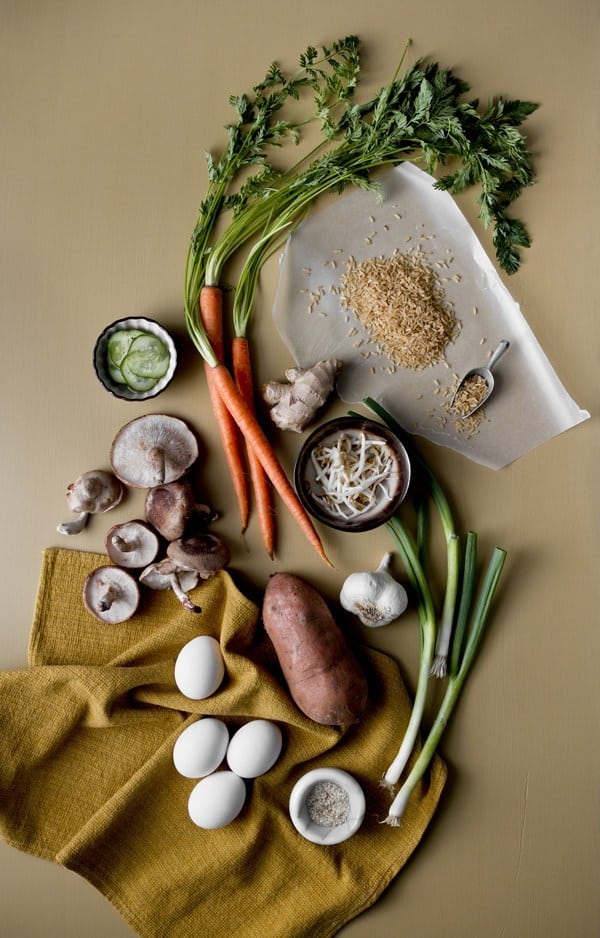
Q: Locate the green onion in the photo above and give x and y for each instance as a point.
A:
(440, 662)
(453, 689)
(458, 648)
(440, 500)
(466, 597)
(428, 629)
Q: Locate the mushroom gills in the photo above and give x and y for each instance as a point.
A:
(132, 544)
(152, 450)
(111, 594)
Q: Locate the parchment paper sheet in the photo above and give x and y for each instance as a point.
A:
(529, 404)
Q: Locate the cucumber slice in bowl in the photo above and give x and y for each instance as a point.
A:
(148, 357)
(115, 372)
(133, 381)
(119, 344)
(154, 361)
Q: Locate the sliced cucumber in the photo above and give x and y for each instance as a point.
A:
(136, 358)
(119, 342)
(115, 372)
(148, 357)
(135, 382)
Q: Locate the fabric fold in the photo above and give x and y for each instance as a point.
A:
(87, 777)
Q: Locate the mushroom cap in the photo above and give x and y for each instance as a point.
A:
(94, 491)
(132, 544)
(111, 594)
(169, 508)
(153, 449)
(205, 553)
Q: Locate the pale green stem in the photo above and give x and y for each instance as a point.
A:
(466, 598)
(427, 622)
(453, 688)
(409, 739)
(442, 648)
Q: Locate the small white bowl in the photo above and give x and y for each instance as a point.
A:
(121, 390)
(301, 816)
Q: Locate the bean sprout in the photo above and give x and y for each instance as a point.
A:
(352, 472)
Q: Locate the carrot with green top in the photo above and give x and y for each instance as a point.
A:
(250, 427)
(211, 313)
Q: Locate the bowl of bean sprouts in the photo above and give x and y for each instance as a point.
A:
(352, 473)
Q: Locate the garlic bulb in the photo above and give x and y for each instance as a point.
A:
(375, 597)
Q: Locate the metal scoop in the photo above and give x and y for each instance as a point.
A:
(486, 374)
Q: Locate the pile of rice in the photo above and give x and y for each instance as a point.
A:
(401, 303)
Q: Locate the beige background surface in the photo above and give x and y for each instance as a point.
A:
(106, 110)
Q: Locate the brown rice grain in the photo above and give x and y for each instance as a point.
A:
(401, 303)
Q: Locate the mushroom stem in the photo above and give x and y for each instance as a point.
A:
(181, 594)
(156, 458)
(75, 526)
(126, 545)
(108, 596)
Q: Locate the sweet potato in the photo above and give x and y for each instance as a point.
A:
(324, 678)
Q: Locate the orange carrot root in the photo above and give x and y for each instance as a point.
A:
(258, 442)
(242, 372)
(211, 313)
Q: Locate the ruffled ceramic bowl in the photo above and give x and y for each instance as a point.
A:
(101, 363)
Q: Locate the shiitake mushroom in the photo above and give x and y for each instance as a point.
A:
(172, 509)
(111, 594)
(91, 493)
(132, 544)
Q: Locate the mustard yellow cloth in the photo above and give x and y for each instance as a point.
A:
(87, 778)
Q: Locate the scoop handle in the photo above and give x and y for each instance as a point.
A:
(498, 351)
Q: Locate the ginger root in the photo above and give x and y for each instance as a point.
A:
(295, 404)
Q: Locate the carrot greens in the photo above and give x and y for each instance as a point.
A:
(421, 115)
(244, 171)
(242, 174)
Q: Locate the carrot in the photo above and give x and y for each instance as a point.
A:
(242, 372)
(211, 313)
(258, 442)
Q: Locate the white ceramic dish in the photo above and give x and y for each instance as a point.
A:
(300, 814)
(122, 391)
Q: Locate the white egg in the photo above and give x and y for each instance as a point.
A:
(201, 747)
(217, 800)
(254, 748)
(199, 668)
